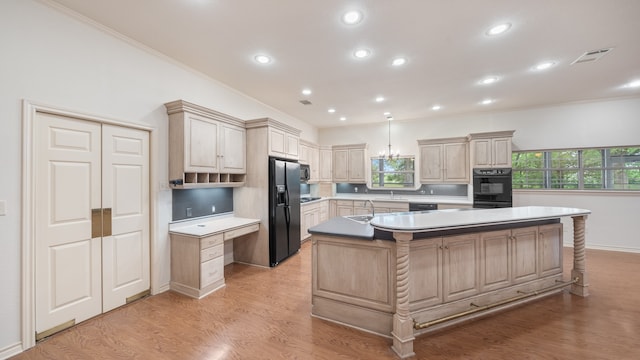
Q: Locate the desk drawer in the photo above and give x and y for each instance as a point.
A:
(210, 241)
(211, 271)
(211, 252)
(241, 231)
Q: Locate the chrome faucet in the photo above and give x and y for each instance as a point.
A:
(373, 209)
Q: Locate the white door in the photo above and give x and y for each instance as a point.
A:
(82, 170)
(125, 198)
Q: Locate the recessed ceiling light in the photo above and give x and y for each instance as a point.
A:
(489, 80)
(436, 107)
(306, 91)
(544, 65)
(380, 99)
(262, 59)
(361, 53)
(352, 17)
(498, 29)
(486, 102)
(634, 84)
(399, 61)
(342, 118)
(331, 110)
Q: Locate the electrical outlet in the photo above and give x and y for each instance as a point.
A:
(189, 212)
(213, 209)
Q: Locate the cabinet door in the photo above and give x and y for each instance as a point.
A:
(524, 250)
(425, 267)
(233, 150)
(550, 249)
(201, 144)
(292, 146)
(495, 268)
(277, 143)
(460, 267)
(304, 154)
(357, 165)
(431, 163)
(314, 163)
(325, 165)
(341, 165)
(481, 149)
(456, 159)
(501, 154)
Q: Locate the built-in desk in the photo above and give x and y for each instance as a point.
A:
(197, 252)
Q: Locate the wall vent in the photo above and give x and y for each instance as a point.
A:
(305, 102)
(591, 56)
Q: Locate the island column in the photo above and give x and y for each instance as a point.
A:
(402, 323)
(581, 287)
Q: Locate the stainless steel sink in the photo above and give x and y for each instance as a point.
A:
(362, 219)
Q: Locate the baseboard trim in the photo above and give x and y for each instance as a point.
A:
(11, 350)
(607, 248)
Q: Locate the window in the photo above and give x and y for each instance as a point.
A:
(578, 169)
(392, 173)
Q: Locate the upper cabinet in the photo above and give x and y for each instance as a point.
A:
(283, 141)
(325, 172)
(350, 163)
(206, 148)
(444, 160)
(310, 155)
(491, 149)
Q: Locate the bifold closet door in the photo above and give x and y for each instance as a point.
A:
(92, 219)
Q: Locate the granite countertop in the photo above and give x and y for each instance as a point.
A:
(206, 226)
(445, 220)
(341, 226)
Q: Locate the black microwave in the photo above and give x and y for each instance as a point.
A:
(305, 173)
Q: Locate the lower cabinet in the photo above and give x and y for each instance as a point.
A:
(450, 268)
(312, 214)
(197, 264)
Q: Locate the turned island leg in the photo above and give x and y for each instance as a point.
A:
(402, 332)
(581, 287)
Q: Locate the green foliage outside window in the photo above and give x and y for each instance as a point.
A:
(393, 173)
(581, 169)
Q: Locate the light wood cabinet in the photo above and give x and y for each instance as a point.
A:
(444, 161)
(197, 262)
(312, 214)
(206, 148)
(350, 163)
(325, 161)
(491, 150)
(550, 249)
(495, 247)
(282, 141)
(310, 155)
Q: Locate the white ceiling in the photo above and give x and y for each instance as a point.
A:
(444, 41)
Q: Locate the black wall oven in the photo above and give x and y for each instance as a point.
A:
(492, 188)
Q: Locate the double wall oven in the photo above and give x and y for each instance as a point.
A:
(492, 188)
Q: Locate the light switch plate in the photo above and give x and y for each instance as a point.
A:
(3, 207)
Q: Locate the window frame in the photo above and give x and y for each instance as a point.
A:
(412, 173)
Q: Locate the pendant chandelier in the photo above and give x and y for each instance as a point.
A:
(391, 154)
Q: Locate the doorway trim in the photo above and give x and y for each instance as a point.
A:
(29, 111)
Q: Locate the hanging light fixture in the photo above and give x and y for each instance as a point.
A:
(390, 155)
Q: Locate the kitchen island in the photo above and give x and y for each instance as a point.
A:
(404, 274)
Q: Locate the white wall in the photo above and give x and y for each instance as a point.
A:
(613, 224)
(51, 58)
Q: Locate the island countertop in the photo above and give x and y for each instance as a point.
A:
(445, 220)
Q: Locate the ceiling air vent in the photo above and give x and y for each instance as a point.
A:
(591, 56)
(305, 102)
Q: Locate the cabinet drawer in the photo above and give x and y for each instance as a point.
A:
(211, 252)
(360, 203)
(210, 241)
(344, 202)
(211, 271)
(241, 231)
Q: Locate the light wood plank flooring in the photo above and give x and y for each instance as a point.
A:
(265, 314)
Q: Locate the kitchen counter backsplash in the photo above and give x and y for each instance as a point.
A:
(426, 189)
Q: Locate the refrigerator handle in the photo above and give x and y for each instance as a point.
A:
(286, 197)
(287, 215)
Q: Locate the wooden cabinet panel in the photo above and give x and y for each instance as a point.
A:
(460, 267)
(425, 261)
(444, 161)
(495, 271)
(524, 250)
(550, 249)
(326, 157)
(341, 165)
(350, 163)
(456, 163)
(233, 153)
(357, 165)
(201, 150)
(431, 167)
(491, 150)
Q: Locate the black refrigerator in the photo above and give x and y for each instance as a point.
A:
(284, 209)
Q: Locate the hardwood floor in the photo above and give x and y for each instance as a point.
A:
(265, 314)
